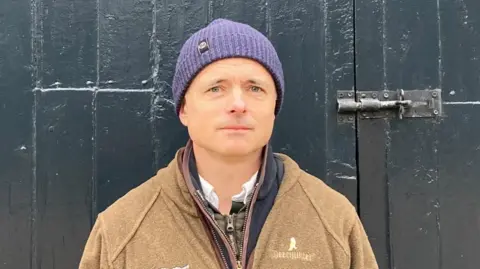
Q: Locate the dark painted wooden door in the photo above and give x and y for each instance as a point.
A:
(419, 178)
(86, 115)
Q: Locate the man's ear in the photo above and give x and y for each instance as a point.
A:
(183, 113)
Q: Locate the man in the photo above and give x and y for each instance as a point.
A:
(226, 200)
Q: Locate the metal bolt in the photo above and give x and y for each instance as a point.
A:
(90, 83)
(434, 94)
(340, 94)
(435, 112)
(350, 94)
(374, 95)
(364, 115)
(386, 95)
(364, 95)
(51, 129)
(350, 118)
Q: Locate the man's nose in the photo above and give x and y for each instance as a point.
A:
(238, 103)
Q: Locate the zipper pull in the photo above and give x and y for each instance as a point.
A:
(231, 234)
(230, 227)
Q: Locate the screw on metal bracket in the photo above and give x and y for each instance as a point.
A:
(386, 95)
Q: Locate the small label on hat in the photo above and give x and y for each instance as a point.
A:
(202, 46)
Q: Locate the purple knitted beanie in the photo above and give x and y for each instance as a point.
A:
(225, 39)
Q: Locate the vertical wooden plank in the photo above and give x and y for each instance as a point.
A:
(413, 194)
(124, 154)
(374, 201)
(297, 32)
(125, 29)
(370, 49)
(373, 192)
(459, 184)
(397, 158)
(66, 58)
(69, 42)
(340, 144)
(412, 62)
(15, 134)
(459, 142)
(460, 41)
(411, 44)
(64, 172)
(175, 21)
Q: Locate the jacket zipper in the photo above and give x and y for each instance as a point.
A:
(198, 198)
(218, 246)
(223, 235)
(246, 223)
(231, 235)
(239, 257)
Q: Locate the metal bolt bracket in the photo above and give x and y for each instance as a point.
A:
(388, 104)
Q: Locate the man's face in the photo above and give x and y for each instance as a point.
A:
(229, 108)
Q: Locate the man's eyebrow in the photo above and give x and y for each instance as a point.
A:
(250, 81)
(257, 82)
(216, 81)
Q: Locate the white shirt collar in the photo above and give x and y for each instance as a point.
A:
(212, 197)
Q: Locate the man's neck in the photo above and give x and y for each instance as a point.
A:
(226, 175)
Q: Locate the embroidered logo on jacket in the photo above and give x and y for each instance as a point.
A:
(292, 253)
(293, 244)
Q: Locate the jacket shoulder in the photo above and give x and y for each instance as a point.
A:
(123, 217)
(334, 209)
(324, 196)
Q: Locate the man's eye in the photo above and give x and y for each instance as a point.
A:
(255, 89)
(214, 89)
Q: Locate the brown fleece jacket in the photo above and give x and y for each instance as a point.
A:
(157, 225)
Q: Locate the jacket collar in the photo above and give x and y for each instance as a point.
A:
(264, 177)
(182, 189)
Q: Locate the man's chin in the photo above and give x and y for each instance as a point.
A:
(235, 151)
(238, 149)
